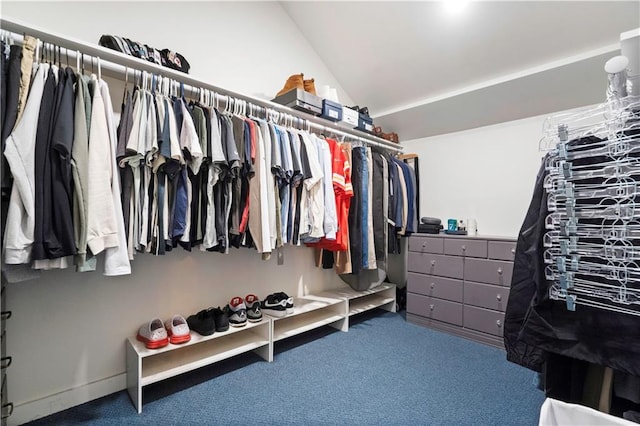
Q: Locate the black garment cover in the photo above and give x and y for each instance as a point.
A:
(528, 271)
(536, 325)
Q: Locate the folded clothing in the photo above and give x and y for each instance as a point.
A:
(164, 57)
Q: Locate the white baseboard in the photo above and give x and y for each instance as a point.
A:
(51, 404)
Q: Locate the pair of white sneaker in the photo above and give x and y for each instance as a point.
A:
(155, 334)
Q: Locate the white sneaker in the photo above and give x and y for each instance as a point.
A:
(153, 334)
(178, 330)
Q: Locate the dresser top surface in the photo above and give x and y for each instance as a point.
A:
(466, 237)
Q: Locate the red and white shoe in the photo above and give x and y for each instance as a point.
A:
(153, 334)
(178, 330)
(254, 313)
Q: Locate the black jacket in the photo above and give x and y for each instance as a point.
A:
(536, 325)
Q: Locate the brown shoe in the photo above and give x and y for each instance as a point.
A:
(309, 86)
(296, 81)
(391, 137)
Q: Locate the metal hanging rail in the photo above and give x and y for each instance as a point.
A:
(117, 65)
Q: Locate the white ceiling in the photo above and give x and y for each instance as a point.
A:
(423, 71)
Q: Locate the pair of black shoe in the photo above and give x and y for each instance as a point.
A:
(277, 304)
(207, 321)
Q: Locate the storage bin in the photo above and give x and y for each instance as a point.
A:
(365, 123)
(331, 110)
(300, 100)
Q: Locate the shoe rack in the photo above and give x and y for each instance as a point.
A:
(330, 308)
(310, 312)
(147, 366)
(383, 297)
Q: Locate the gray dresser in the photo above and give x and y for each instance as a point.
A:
(460, 284)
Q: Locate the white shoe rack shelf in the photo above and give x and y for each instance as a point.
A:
(332, 308)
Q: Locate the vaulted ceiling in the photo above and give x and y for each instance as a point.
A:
(423, 70)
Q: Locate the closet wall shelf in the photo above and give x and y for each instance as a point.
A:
(116, 64)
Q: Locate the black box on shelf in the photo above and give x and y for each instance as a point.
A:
(300, 100)
(365, 123)
(331, 110)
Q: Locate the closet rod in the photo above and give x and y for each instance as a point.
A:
(117, 64)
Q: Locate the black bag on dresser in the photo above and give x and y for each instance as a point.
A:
(429, 225)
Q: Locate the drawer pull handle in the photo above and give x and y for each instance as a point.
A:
(500, 271)
(499, 297)
(433, 285)
(433, 263)
(431, 307)
(499, 323)
(464, 247)
(513, 251)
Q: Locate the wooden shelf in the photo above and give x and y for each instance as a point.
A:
(196, 339)
(367, 303)
(147, 366)
(291, 326)
(170, 364)
(310, 303)
(382, 296)
(310, 312)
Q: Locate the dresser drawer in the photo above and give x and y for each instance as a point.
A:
(430, 307)
(426, 244)
(430, 285)
(435, 264)
(502, 250)
(462, 247)
(486, 296)
(484, 320)
(488, 271)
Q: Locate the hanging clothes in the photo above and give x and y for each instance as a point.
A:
(20, 154)
(357, 213)
(116, 261)
(270, 185)
(379, 214)
(80, 170)
(61, 175)
(26, 68)
(42, 185)
(11, 78)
